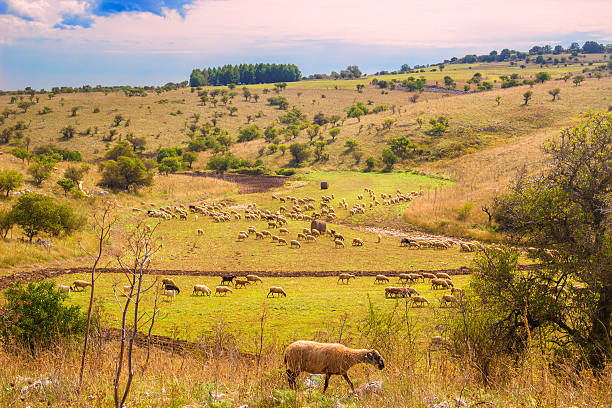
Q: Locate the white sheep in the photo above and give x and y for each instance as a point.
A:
(326, 358)
(64, 288)
(253, 278)
(81, 284)
(169, 294)
(223, 289)
(295, 243)
(203, 289)
(277, 289)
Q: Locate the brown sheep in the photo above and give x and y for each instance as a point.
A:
(404, 278)
(345, 277)
(446, 299)
(240, 282)
(80, 284)
(326, 358)
(419, 299)
(259, 235)
(203, 289)
(283, 231)
(439, 283)
(253, 278)
(380, 279)
(457, 290)
(223, 289)
(357, 242)
(277, 289)
(339, 244)
(301, 236)
(394, 292)
(443, 275)
(310, 238)
(200, 231)
(295, 243)
(242, 236)
(282, 241)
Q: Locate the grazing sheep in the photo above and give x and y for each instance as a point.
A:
(419, 299)
(240, 282)
(394, 292)
(326, 358)
(169, 294)
(228, 279)
(283, 231)
(259, 235)
(357, 242)
(310, 238)
(252, 230)
(380, 279)
(282, 241)
(295, 243)
(306, 231)
(242, 236)
(449, 282)
(428, 275)
(80, 284)
(223, 289)
(203, 289)
(276, 289)
(412, 291)
(339, 244)
(446, 299)
(64, 288)
(171, 286)
(404, 278)
(274, 238)
(439, 283)
(345, 277)
(168, 281)
(253, 278)
(200, 231)
(457, 290)
(301, 236)
(443, 275)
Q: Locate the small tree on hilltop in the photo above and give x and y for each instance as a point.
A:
(527, 96)
(554, 93)
(542, 77)
(578, 79)
(333, 132)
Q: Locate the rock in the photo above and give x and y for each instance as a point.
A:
(371, 388)
(313, 381)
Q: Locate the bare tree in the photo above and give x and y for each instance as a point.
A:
(101, 225)
(141, 246)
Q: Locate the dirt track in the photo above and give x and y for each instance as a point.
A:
(36, 275)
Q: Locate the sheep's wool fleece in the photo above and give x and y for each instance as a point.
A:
(321, 358)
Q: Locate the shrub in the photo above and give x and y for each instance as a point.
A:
(370, 163)
(542, 77)
(36, 213)
(10, 180)
(380, 108)
(66, 184)
(300, 152)
(351, 144)
(438, 126)
(249, 133)
(125, 173)
(121, 148)
(76, 173)
(389, 159)
(285, 172)
(168, 152)
(402, 146)
(221, 164)
(464, 212)
(35, 315)
(170, 165)
(6, 222)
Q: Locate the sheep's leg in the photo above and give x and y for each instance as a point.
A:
(292, 376)
(345, 375)
(326, 381)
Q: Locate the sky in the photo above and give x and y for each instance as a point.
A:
(46, 43)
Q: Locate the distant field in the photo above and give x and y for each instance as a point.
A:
(313, 308)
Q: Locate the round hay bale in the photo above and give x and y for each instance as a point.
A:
(319, 225)
(324, 185)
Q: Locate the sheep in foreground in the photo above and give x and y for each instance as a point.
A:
(253, 278)
(276, 289)
(64, 288)
(81, 284)
(242, 236)
(446, 299)
(240, 283)
(228, 279)
(443, 275)
(326, 358)
(203, 289)
(457, 290)
(169, 294)
(223, 289)
(295, 243)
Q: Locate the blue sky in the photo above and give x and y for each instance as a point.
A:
(45, 43)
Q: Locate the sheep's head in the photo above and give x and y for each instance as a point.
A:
(374, 358)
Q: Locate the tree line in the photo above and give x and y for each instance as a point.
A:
(245, 74)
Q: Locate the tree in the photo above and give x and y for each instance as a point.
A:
(388, 123)
(221, 164)
(420, 121)
(67, 132)
(438, 126)
(542, 77)
(356, 111)
(578, 79)
(527, 96)
(249, 133)
(389, 159)
(370, 163)
(401, 146)
(593, 47)
(74, 110)
(498, 99)
(566, 76)
(66, 184)
(565, 214)
(10, 180)
(313, 131)
(6, 223)
(36, 213)
(121, 148)
(35, 315)
(138, 143)
(555, 93)
(189, 158)
(448, 81)
(170, 165)
(351, 144)
(21, 153)
(232, 110)
(333, 132)
(125, 173)
(117, 120)
(360, 87)
(41, 169)
(319, 150)
(300, 152)
(75, 173)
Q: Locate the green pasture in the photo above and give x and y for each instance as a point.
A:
(315, 307)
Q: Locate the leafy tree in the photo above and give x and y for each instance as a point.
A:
(138, 143)
(221, 164)
(565, 215)
(118, 119)
(42, 167)
(36, 213)
(527, 96)
(420, 121)
(593, 47)
(6, 222)
(389, 159)
(125, 173)
(554, 93)
(75, 173)
(351, 144)
(313, 131)
(542, 77)
(279, 101)
(189, 158)
(370, 163)
(319, 150)
(21, 153)
(25, 105)
(566, 76)
(357, 111)
(333, 132)
(121, 148)
(66, 184)
(360, 87)
(10, 180)
(249, 133)
(448, 81)
(438, 126)
(300, 152)
(401, 146)
(578, 79)
(170, 165)
(334, 119)
(388, 123)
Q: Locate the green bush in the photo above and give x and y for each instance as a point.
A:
(300, 152)
(10, 180)
(249, 133)
(464, 212)
(125, 173)
(35, 316)
(285, 172)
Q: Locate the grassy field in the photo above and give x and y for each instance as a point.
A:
(315, 307)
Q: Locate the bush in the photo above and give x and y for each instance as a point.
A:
(285, 172)
(76, 173)
(125, 173)
(66, 184)
(168, 152)
(122, 148)
(249, 133)
(170, 165)
(438, 126)
(36, 213)
(389, 159)
(300, 152)
(10, 180)
(6, 222)
(464, 212)
(35, 316)
(351, 144)
(370, 163)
